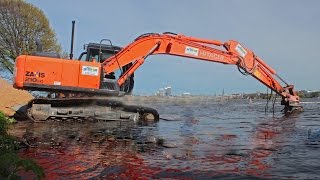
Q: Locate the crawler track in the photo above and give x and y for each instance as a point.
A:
(86, 108)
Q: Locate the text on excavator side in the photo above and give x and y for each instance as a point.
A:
(211, 55)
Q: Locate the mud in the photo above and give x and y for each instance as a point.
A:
(11, 98)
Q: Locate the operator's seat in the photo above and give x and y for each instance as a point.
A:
(103, 57)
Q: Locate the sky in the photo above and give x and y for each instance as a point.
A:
(285, 34)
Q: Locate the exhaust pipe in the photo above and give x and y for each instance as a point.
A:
(72, 39)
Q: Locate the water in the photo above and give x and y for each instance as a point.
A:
(227, 139)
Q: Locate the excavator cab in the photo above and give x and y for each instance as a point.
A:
(94, 49)
(99, 52)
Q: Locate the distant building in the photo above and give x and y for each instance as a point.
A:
(237, 95)
(309, 93)
(167, 91)
(161, 91)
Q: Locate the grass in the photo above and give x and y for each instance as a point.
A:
(10, 163)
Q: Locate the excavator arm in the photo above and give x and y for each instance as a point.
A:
(230, 52)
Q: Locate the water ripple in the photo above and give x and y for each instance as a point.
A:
(229, 139)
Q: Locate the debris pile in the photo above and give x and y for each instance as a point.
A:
(10, 97)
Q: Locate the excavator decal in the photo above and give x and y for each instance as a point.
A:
(241, 51)
(191, 51)
(35, 77)
(35, 74)
(90, 71)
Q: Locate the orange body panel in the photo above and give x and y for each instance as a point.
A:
(19, 72)
(89, 76)
(56, 73)
(70, 71)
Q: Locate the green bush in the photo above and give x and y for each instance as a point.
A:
(10, 162)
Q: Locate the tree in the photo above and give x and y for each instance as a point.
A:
(21, 24)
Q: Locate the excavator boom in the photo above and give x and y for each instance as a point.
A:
(202, 49)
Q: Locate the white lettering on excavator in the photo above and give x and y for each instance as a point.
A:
(191, 51)
(241, 51)
(211, 55)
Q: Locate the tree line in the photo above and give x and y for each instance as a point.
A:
(21, 24)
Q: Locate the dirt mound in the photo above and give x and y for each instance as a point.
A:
(10, 97)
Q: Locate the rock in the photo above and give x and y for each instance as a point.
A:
(160, 141)
(149, 117)
(72, 136)
(169, 145)
(99, 140)
(110, 138)
(167, 155)
(24, 143)
(20, 110)
(151, 139)
(44, 145)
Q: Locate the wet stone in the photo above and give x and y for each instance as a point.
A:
(149, 117)
(110, 138)
(72, 136)
(31, 141)
(98, 140)
(151, 139)
(44, 145)
(169, 145)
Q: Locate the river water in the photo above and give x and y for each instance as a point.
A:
(201, 138)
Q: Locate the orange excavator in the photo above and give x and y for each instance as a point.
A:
(96, 75)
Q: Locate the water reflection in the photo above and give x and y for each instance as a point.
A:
(212, 138)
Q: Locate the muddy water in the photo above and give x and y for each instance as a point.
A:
(201, 138)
